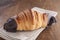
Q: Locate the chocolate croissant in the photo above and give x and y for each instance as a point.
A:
(26, 20)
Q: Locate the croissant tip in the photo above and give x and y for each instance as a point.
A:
(51, 21)
(10, 25)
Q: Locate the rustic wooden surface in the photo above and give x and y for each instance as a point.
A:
(15, 6)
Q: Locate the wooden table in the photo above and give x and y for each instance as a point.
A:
(15, 6)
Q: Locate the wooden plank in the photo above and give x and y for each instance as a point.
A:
(51, 33)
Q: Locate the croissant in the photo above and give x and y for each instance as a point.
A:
(26, 20)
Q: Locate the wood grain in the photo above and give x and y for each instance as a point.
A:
(16, 6)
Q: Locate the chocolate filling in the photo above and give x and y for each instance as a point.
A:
(51, 21)
(10, 25)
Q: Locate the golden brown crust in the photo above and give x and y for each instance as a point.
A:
(30, 20)
(45, 20)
